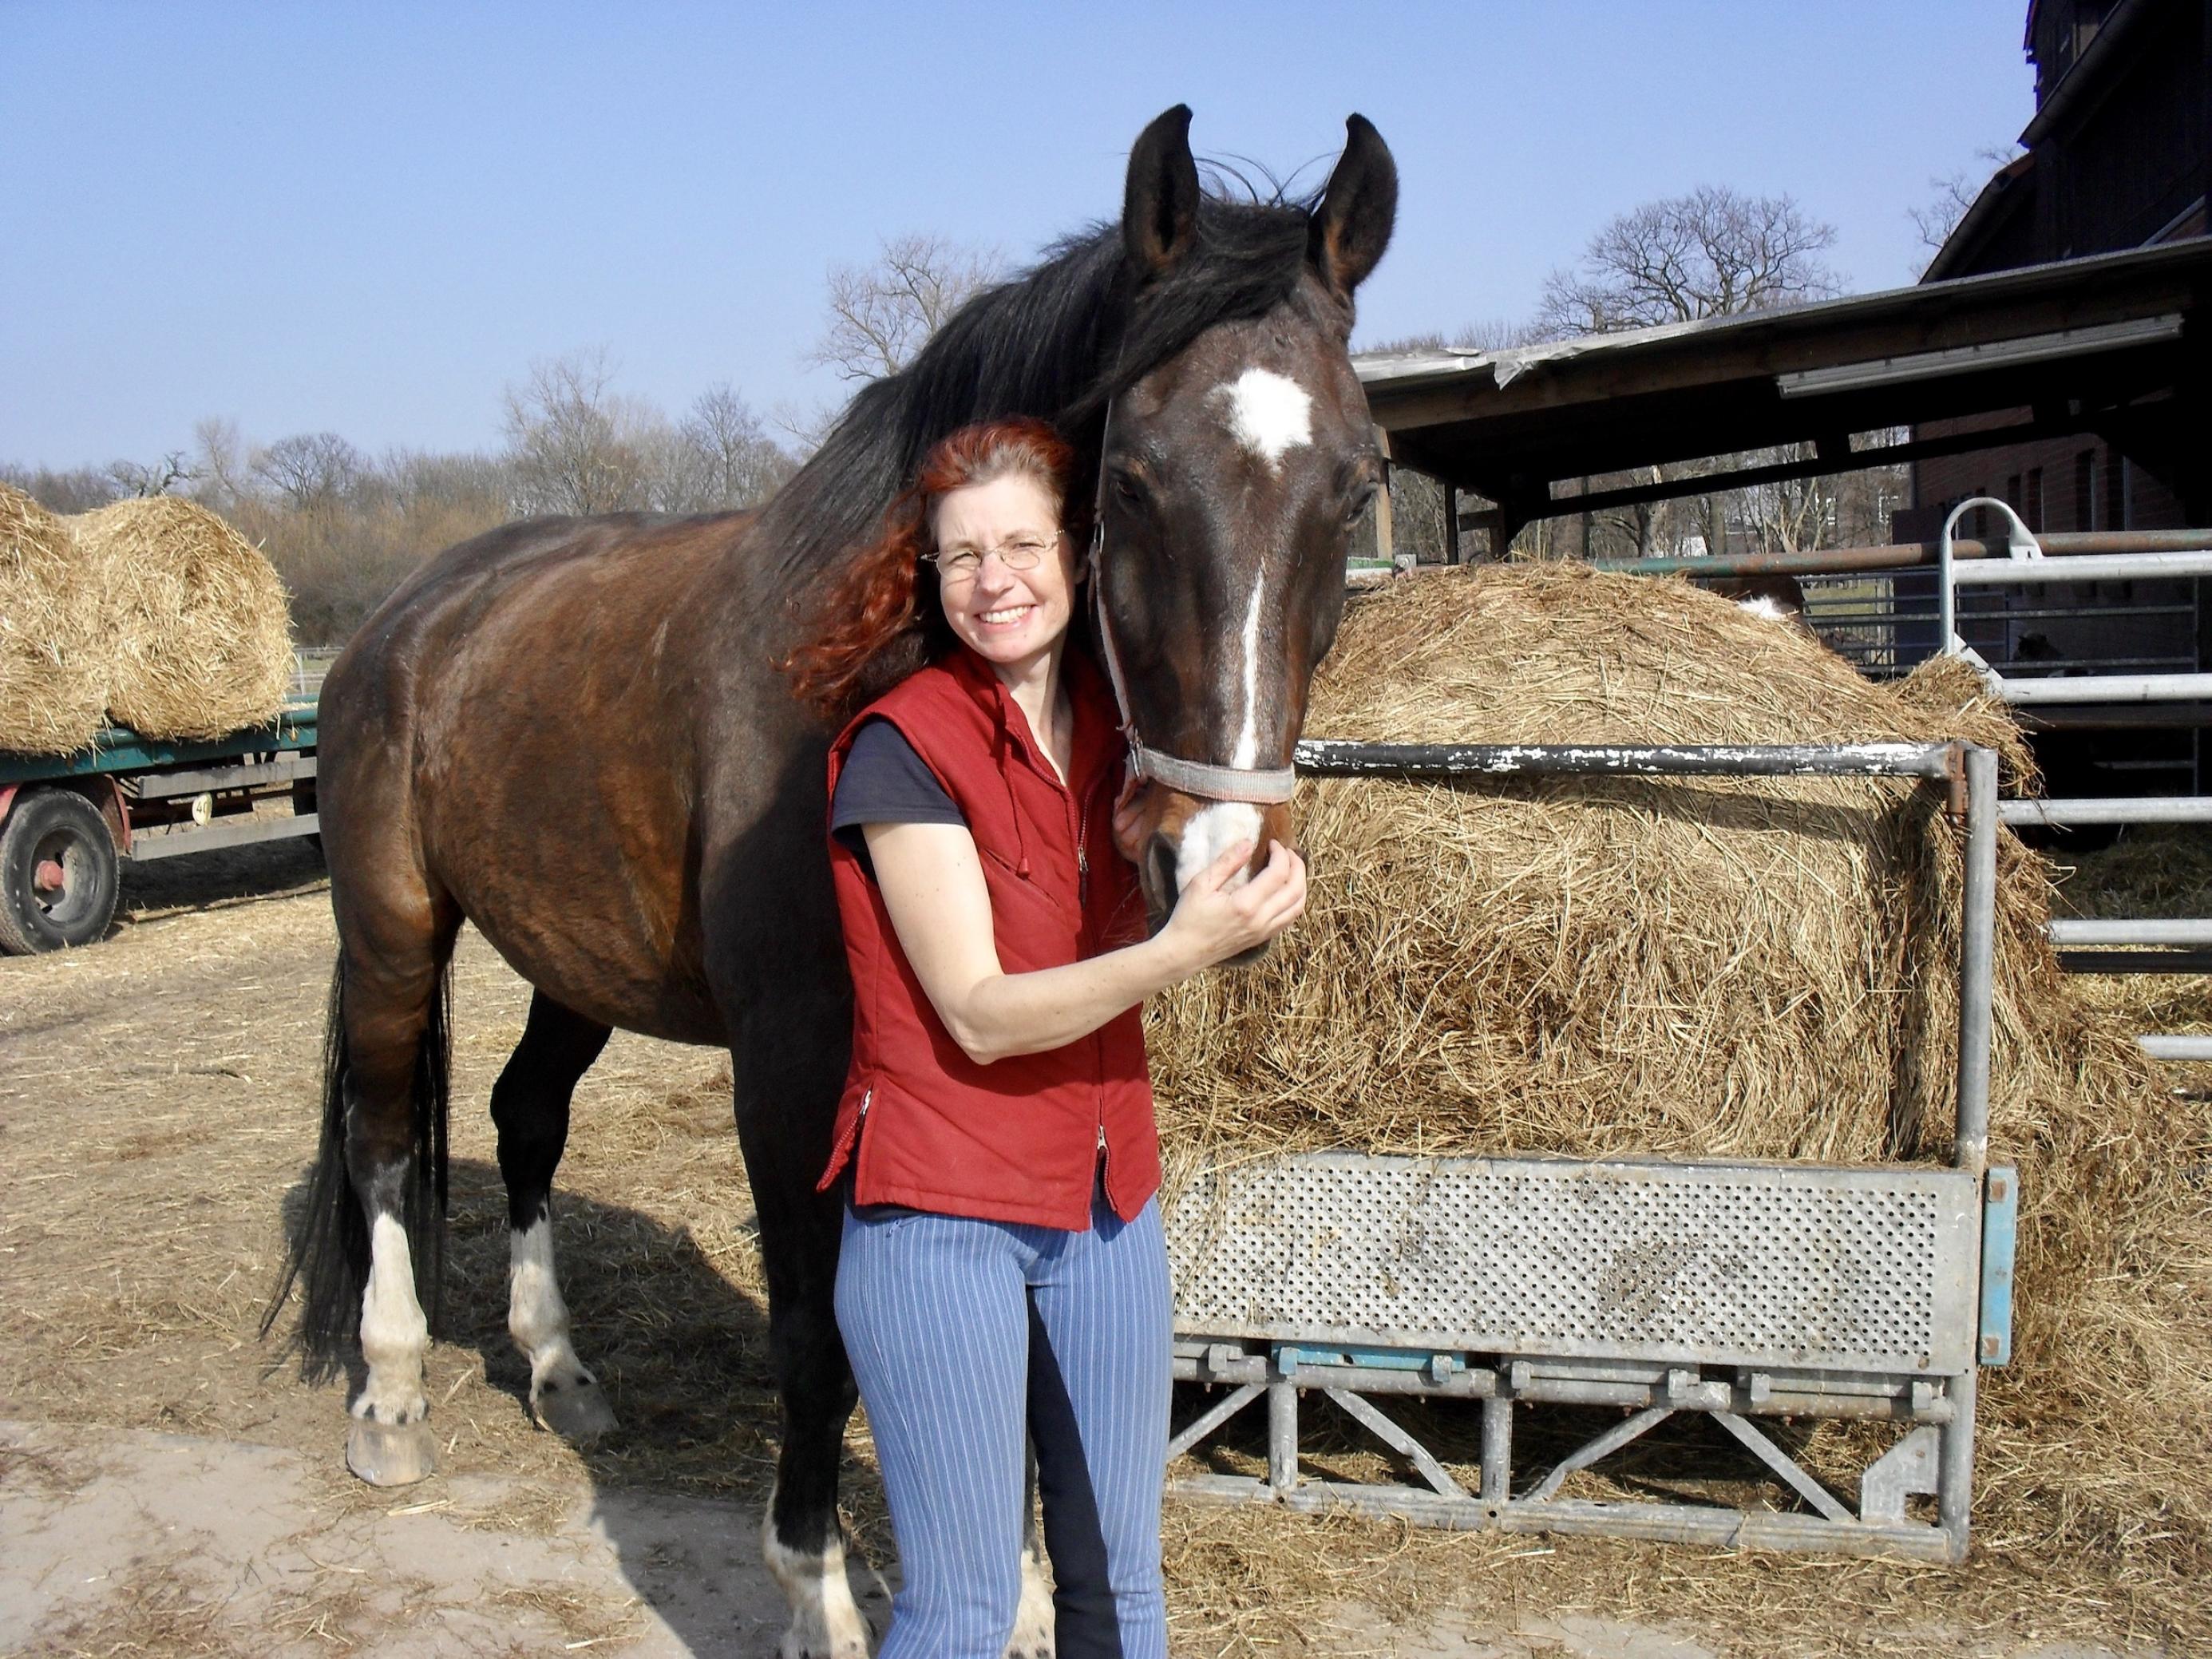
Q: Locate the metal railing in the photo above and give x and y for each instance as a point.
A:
(2025, 564)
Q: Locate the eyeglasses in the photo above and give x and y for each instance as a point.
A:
(960, 565)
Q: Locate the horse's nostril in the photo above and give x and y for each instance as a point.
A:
(1160, 873)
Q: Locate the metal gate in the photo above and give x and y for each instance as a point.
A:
(1742, 1290)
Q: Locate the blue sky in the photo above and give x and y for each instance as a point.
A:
(370, 219)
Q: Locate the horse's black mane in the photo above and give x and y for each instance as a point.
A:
(1057, 342)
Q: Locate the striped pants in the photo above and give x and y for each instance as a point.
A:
(967, 1335)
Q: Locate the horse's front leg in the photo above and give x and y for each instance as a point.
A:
(530, 1107)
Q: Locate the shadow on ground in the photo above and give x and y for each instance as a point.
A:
(682, 1351)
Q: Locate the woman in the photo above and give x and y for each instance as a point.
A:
(1003, 1270)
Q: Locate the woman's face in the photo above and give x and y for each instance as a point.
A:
(1009, 617)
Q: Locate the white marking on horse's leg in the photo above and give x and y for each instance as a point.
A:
(1034, 1621)
(1212, 832)
(394, 1336)
(1268, 413)
(825, 1619)
(1763, 606)
(1248, 740)
(564, 1396)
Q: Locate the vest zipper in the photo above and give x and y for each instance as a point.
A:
(1083, 849)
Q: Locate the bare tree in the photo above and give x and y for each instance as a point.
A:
(880, 315)
(219, 456)
(69, 489)
(1713, 252)
(573, 444)
(311, 469)
(140, 478)
(1950, 196)
(724, 457)
(805, 425)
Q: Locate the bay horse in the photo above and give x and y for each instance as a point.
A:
(574, 733)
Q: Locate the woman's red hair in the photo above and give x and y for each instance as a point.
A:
(881, 605)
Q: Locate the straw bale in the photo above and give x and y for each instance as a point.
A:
(1594, 966)
(52, 692)
(195, 633)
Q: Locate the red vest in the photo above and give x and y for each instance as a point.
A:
(1019, 1139)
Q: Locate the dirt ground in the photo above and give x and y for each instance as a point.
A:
(167, 1487)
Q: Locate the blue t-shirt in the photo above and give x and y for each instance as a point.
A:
(883, 780)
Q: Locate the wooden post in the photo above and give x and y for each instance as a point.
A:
(1452, 524)
(1383, 547)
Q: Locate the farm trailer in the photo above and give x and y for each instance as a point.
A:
(68, 821)
(1746, 1291)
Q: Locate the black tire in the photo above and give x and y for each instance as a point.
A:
(53, 832)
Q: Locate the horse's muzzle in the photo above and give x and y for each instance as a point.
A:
(1182, 836)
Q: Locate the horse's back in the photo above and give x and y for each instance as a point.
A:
(516, 723)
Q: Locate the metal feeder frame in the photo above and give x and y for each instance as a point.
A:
(1744, 1290)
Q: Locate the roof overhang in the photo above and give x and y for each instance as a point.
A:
(2074, 341)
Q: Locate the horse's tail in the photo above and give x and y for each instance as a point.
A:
(326, 1253)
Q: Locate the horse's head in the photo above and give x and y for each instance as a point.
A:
(1232, 475)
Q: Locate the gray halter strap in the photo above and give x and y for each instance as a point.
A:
(1262, 786)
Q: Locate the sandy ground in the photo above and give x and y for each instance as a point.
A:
(178, 1544)
(167, 1487)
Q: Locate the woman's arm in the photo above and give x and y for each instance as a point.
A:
(932, 886)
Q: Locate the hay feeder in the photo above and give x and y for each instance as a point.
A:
(1746, 1291)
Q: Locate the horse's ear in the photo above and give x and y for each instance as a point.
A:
(1159, 206)
(1351, 227)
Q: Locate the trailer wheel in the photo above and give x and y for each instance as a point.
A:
(58, 874)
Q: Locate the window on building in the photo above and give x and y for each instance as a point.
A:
(2089, 504)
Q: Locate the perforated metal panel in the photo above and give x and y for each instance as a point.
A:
(1847, 1269)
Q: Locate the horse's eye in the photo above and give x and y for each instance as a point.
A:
(1127, 489)
(1362, 499)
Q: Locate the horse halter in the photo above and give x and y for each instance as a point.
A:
(1260, 785)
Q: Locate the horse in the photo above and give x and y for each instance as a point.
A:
(575, 734)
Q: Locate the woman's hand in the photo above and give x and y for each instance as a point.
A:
(1212, 922)
(1128, 820)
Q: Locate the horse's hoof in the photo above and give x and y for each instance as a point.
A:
(1035, 1621)
(385, 1457)
(578, 1411)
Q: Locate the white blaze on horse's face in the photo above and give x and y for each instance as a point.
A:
(1248, 736)
(1269, 413)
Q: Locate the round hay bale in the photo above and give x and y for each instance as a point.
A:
(52, 692)
(1596, 966)
(196, 637)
